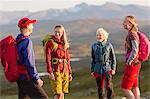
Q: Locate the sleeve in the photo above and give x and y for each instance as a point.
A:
(135, 46)
(134, 52)
(112, 58)
(68, 60)
(28, 55)
(93, 59)
(48, 57)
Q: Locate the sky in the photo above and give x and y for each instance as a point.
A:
(38, 5)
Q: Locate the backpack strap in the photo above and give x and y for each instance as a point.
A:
(46, 39)
(55, 45)
(21, 38)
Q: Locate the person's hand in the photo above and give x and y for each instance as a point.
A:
(113, 72)
(40, 82)
(92, 74)
(129, 62)
(70, 77)
(52, 76)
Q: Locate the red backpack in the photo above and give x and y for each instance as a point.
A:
(9, 58)
(144, 47)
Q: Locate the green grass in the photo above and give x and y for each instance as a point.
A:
(83, 85)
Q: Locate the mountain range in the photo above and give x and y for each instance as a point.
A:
(81, 33)
(81, 11)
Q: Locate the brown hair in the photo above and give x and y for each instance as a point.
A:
(64, 37)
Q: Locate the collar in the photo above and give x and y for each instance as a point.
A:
(57, 40)
(102, 43)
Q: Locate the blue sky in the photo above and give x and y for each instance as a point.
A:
(37, 5)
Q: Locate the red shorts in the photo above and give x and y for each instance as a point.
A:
(130, 77)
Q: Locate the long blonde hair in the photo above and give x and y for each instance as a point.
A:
(64, 37)
(133, 29)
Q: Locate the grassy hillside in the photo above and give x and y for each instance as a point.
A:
(83, 85)
(81, 35)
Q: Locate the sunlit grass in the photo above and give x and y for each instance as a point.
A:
(83, 85)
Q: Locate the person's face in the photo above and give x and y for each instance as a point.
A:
(30, 28)
(100, 37)
(126, 24)
(58, 32)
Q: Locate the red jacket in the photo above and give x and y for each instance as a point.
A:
(59, 53)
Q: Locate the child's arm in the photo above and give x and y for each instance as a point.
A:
(93, 60)
(68, 61)
(112, 58)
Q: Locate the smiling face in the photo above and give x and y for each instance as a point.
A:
(100, 37)
(58, 32)
(126, 24)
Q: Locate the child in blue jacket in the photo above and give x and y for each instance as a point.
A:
(103, 64)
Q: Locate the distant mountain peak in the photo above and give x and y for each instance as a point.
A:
(111, 6)
(80, 11)
(110, 3)
(82, 5)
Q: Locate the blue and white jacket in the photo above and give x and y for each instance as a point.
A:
(103, 54)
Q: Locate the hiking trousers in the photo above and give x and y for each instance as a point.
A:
(101, 81)
(27, 88)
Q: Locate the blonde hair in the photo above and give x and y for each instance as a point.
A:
(133, 21)
(102, 31)
(134, 28)
(64, 37)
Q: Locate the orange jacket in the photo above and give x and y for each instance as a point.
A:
(59, 53)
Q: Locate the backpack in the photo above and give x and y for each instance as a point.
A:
(45, 40)
(144, 47)
(9, 58)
